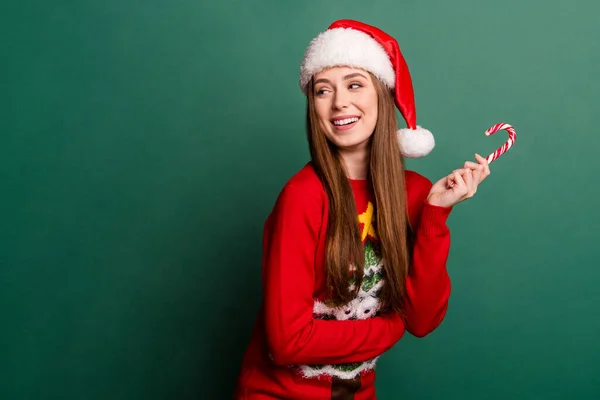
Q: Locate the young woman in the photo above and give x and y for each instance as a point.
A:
(355, 248)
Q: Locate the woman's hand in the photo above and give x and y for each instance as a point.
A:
(460, 185)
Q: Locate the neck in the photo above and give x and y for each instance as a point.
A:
(356, 163)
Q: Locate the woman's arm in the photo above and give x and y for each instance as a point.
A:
(428, 284)
(293, 335)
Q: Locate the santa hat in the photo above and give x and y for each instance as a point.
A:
(355, 44)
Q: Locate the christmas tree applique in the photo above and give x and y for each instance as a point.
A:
(365, 305)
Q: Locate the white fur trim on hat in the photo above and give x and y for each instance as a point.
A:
(346, 47)
(415, 143)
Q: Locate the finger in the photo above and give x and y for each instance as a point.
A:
(486, 165)
(469, 182)
(472, 165)
(481, 159)
(478, 174)
(458, 170)
(450, 178)
(485, 168)
(478, 170)
(460, 186)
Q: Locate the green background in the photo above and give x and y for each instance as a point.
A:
(143, 143)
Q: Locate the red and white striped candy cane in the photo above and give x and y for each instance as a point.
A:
(512, 136)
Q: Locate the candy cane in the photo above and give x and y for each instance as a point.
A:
(512, 136)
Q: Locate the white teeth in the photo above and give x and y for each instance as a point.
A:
(345, 121)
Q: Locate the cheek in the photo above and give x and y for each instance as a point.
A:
(372, 113)
(322, 115)
(322, 109)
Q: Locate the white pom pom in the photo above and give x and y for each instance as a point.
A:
(415, 143)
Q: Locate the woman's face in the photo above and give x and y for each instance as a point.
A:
(346, 104)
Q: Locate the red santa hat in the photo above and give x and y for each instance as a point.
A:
(355, 44)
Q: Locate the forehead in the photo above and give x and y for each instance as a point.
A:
(337, 73)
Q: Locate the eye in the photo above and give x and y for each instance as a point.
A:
(355, 85)
(321, 92)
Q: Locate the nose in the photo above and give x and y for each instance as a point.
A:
(341, 99)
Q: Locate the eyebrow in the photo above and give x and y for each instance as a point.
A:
(345, 78)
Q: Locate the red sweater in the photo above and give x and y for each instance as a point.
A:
(299, 346)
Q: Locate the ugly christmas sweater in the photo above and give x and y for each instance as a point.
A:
(303, 349)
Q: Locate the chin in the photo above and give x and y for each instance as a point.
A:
(358, 143)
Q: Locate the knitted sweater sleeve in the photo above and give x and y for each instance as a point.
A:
(428, 283)
(293, 335)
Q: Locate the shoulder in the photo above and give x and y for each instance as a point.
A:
(303, 191)
(416, 184)
(417, 189)
(306, 181)
(428, 218)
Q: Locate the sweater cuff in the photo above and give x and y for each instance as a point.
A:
(433, 219)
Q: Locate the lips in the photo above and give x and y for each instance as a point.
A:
(345, 122)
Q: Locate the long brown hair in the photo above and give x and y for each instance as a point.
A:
(386, 180)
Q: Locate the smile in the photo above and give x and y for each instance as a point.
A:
(345, 123)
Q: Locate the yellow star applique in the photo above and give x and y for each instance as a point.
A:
(366, 219)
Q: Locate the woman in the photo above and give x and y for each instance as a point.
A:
(356, 246)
